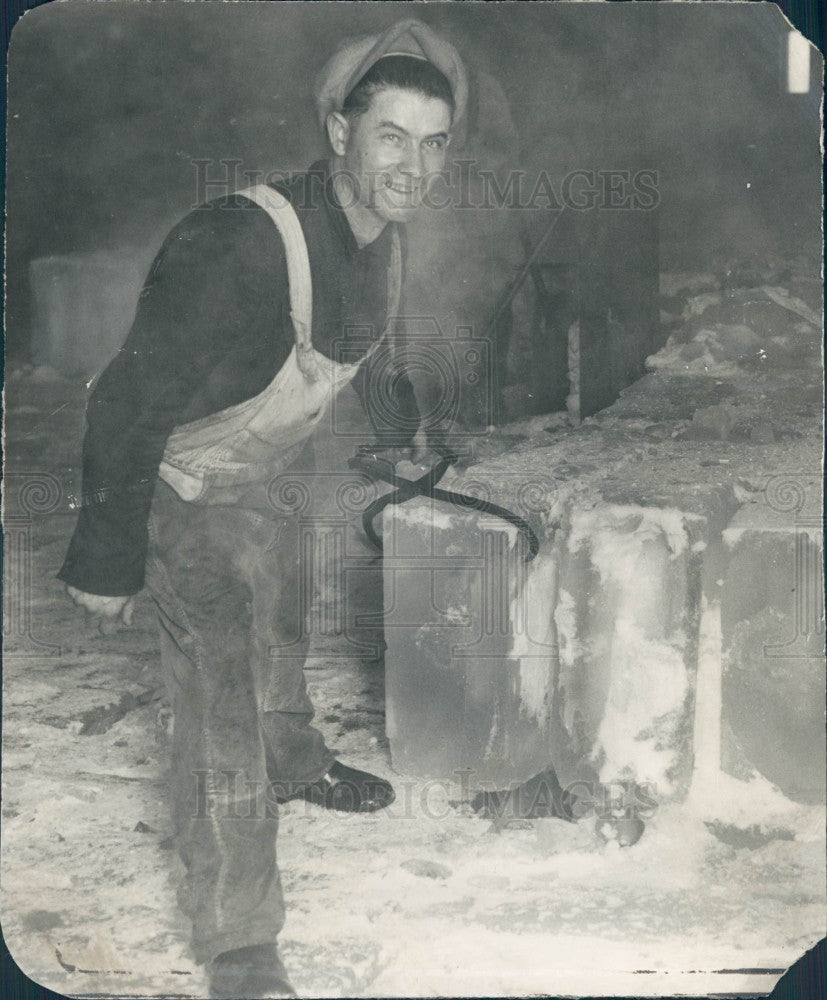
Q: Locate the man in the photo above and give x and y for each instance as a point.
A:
(216, 390)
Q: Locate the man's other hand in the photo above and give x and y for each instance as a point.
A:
(416, 453)
(105, 612)
(419, 448)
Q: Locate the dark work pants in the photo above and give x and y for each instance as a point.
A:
(231, 591)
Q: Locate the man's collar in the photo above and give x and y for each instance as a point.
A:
(338, 217)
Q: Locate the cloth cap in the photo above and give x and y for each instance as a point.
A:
(355, 56)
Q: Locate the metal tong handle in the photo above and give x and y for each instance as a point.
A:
(372, 464)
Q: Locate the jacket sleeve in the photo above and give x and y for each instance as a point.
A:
(388, 399)
(384, 387)
(212, 303)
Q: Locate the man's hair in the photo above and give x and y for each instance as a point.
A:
(404, 72)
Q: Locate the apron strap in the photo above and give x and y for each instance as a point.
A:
(298, 272)
(301, 285)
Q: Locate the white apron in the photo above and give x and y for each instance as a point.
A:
(220, 455)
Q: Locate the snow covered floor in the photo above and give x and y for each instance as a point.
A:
(423, 900)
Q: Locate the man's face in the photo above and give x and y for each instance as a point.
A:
(391, 149)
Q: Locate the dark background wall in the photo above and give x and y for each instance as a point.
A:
(110, 104)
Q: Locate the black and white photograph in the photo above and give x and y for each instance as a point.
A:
(412, 499)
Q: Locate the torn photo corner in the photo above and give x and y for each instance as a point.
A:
(413, 500)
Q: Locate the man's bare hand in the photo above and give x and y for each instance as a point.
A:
(419, 448)
(106, 612)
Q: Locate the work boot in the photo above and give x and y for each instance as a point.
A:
(253, 973)
(540, 797)
(343, 788)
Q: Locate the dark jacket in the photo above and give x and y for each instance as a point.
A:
(212, 329)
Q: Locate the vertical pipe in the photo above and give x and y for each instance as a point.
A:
(708, 697)
(798, 64)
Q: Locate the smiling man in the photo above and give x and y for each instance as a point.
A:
(239, 345)
(387, 140)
